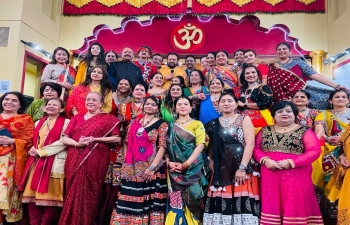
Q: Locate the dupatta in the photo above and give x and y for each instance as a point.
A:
(227, 76)
(207, 111)
(21, 128)
(140, 153)
(43, 166)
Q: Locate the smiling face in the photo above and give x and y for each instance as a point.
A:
(49, 92)
(150, 107)
(211, 60)
(249, 58)
(95, 50)
(139, 92)
(190, 63)
(283, 52)
(11, 103)
(157, 80)
(221, 59)
(183, 107)
(251, 75)
(300, 99)
(284, 117)
(239, 57)
(204, 63)
(123, 86)
(93, 102)
(339, 99)
(195, 78)
(61, 57)
(96, 74)
(227, 104)
(215, 86)
(175, 80)
(175, 91)
(172, 61)
(127, 54)
(157, 60)
(110, 57)
(53, 107)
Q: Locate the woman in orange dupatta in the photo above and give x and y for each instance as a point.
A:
(15, 140)
(222, 71)
(89, 138)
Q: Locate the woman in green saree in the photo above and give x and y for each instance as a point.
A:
(185, 161)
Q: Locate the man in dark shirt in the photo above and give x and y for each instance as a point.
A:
(125, 69)
(190, 61)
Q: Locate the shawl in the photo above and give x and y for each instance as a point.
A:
(43, 166)
(227, 76)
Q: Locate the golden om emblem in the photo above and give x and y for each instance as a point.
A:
(109, 3)
(79, 3)
(195, 37)
(273, 2)
(241, 2)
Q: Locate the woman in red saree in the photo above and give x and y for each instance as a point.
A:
(88, 137)
(288, 76)
(16, 132)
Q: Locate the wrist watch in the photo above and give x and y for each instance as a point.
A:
(242, 168)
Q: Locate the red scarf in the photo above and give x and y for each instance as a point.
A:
(42, 166)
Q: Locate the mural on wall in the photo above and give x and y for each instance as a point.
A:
(197, 7)
(195, 34)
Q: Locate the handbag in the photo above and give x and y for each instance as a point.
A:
(329, 163)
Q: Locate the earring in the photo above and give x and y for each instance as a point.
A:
(331, 106)
(157, 115)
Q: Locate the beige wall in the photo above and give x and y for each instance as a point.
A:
(36, 21)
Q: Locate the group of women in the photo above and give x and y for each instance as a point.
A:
(228, 149)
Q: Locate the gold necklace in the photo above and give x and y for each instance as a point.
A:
(178, 122)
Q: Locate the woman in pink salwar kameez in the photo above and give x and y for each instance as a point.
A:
(286, 151)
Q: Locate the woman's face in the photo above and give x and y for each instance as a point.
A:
(176, 91)
(284, 117)
(239, 57)
(95, 50)
(157, 80)
(249, 58)
(211, 60)
(110, 57)
(93, 102)
(11, 103)
(96, 74)
(221, 59)
(53, 108)
(215, 86)
(195, 78)
(139, 92)
(123, 86)
(61, 57)
(49, 92)
(283, 52)
(340, 99)
(300, 99)
(183, 107)
(204, 63)
(150, 107)
(227, 104)
(250, 75)
(175, 80)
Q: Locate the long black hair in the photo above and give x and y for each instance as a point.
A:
(100, 57)
(200, 75)
(242, 77)
(106, 86)
(21, 99)
(168, 100)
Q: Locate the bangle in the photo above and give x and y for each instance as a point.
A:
(185, 165)
(242, 168)
(263, 159)
(291, 163)
(152, 167)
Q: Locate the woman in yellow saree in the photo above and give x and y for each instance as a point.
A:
(334, 122)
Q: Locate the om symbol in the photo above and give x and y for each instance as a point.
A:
(187, 37)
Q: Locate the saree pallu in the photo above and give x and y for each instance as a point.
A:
(67, 75)
(12, 162)
(208, 111)
(227, 76)
(186, 194)
(85, 168)
(340, 184)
